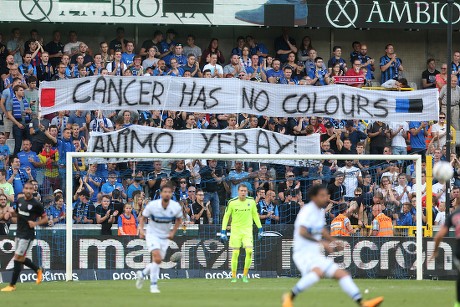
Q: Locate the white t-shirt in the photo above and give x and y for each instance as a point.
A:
(442, 130)
(414, 189)
(72, 47)
(149, 63)
(351, 179)
(220, 70)
(400, 190)
(122, 67)
(393, 176)
(312, 218)
(196, 169)
(440, 218)
(399, 140)
(437, 189)
(160, 219)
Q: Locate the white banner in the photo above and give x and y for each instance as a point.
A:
(144, 139)
(204, 12)
(219, 96)
(342, 14)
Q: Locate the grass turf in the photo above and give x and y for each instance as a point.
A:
(200, 292)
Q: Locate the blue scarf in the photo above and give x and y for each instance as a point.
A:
(17, 112)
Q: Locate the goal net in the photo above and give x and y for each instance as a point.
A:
(84, 249)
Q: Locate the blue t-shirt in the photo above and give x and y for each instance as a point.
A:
(181, 59)
(64, 146)
(259, 47)
(4, 151)
(417, 141)
(127, 58)
(321, 75)
(233, 175)
(131, 190)
(275, 74)
(96, 188)
(332, 61)
(25, 163)
(180, 73)
(108, 188)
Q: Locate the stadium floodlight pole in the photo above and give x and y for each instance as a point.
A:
(450, 4)
(235, 157)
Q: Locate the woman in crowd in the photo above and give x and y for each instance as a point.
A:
(245, 59)
(305, 46)
(212, 48)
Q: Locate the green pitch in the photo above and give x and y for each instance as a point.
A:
(204, 293)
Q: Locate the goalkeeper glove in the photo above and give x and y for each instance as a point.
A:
(223, 236)
(259, 235)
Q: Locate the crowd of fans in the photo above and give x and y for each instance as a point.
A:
(112, 193)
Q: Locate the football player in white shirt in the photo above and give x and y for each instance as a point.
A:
(160, 213)
(309, 235)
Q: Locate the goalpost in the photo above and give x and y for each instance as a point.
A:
(232, 157)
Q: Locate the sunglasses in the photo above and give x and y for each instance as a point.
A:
(192, 191)
(442, 118)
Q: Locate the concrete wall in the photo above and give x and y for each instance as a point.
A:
(413, 47)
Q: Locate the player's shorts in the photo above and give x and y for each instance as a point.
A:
(307, 262)
(23, 246)
(155, 243)
(240, 239)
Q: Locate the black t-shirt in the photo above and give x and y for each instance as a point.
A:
(292, 122)
(106, 226)
(208, 183)
(287, 189)
(453, 220)
(28, 210)
(116, 44)
(381, 139)
(117, 206)
(196, 208)
(157, 178)
(53, 48)
(336, 192)
(86, 59)
(149, 44)
(430, 77)
(3, 55)
(333, 142)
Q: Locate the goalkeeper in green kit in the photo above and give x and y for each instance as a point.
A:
(243, 210)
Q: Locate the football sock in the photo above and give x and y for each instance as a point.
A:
(154, 271)
(247, 261)
(146, 271)
(349, 287)
(304, 283)
(16, 272)
(30, 264)
(235, 255)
